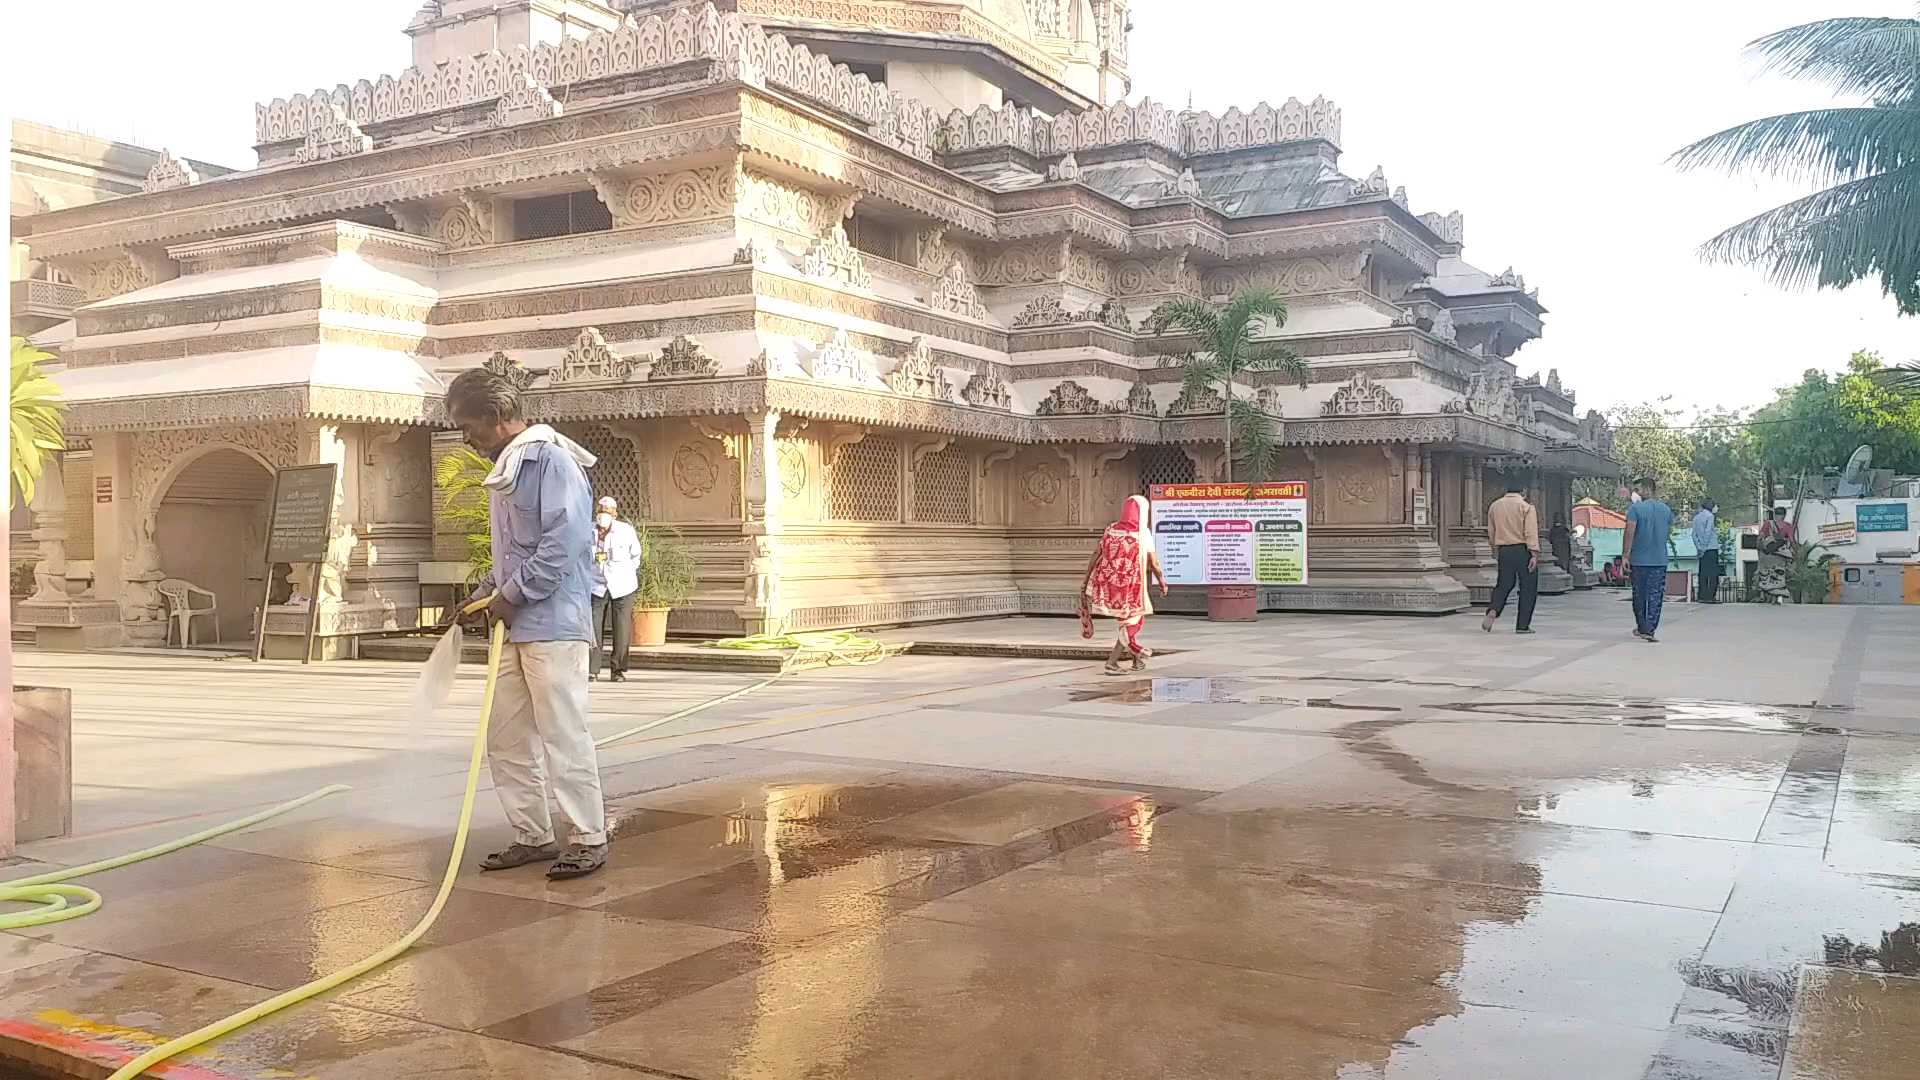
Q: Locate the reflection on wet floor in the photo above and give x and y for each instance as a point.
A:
(1206, 691)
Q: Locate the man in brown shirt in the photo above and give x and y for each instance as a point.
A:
(1513, 530)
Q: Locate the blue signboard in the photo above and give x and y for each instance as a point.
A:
(1881, 517)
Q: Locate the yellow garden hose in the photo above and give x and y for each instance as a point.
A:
(321, 985)
(45, 890)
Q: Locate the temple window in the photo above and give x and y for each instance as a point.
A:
(559, 215)
(876, 238)
(873, 72)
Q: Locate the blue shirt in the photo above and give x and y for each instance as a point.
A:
(1652, 521)
(1705, 536)
(543, 547)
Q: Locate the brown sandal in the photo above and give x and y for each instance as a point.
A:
(578, 860)
(519, 854)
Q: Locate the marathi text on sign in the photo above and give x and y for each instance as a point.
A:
(1231, 534)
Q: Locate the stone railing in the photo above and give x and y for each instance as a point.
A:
(36, 297)
(742, 50)
(1183, 133)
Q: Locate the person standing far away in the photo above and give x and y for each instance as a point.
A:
(1513, 531)
(1649, 527)
(1706, 540)
(1560, 539)
(542, 523)
(616, 580)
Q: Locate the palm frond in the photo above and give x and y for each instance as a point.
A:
(1820, 146)
(1877, 58)
(464, 504)
(1900, 378)
(1276, 357)
(1836, 237)
(1184, 314)
(1254, 446)
(34, 412)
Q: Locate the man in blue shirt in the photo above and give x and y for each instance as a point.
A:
(1649, 526)
(542, 522)
(1706, 540)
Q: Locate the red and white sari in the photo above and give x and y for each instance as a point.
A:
(1117, 583)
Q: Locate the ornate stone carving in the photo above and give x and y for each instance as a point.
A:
(1400, 197)
(1356, 487)
(1267, 400)
(523, 101)
(1361, 396)
(1186, 185)
(1042, 311)
(1507, 279)
(683, 359)
(1597, 433)
(589, 359)
(1373, 187)
(837, 359)
(834, 258)
(793, 468)
(1069, 398)
(1443, 327)
(168, 173)
(335, 136)
(1293, 277)
(509, 369)
(1553, 382)
(953, 293)
(986, 391)
(788, 206)
(1450, 228)
(466, 222)
(1040, 485)
(1198, 401)
(1031, 263)
(1067, 169)
(1140, 401)
(1110, 313)
(1490, 396)
(918, 376)
(659, 198)
(1185, 133)
(693, 471)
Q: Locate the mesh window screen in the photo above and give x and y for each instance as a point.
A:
(560, 215)
(865, 482)
(619, 472)
(943, 488)
(1164, 465)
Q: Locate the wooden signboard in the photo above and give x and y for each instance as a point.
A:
(298, 532)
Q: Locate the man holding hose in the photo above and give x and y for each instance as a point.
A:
(542, 577)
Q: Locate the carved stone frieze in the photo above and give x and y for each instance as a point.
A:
(465, 222)
(509, 369)
(658, 198)
(839, 360)
(1373, 187)
(917, 375)
(955, 294)
(1042, 311)
(335, 136)
(1198, 401)
(1067, 169)
(523, 101)
(1140, 401)
(1184, 186)
(1149, 277)
(986, 391)
(1293, 277)
(834, 258)
(1450, 228)
(683, 359)
(1490, 396)
(589, 359)
(168, 173)
(1361, 396)
(782, 204)
(693, 470)
(1069, 398)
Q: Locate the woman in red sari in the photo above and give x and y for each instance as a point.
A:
(1117, 579)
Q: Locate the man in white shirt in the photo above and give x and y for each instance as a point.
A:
(616, 578)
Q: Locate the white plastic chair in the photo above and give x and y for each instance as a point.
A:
(179, 594)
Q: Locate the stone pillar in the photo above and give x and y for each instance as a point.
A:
(763, 610)
(115, 509)
(60, 620)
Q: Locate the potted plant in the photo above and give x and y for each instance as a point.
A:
(667, 577)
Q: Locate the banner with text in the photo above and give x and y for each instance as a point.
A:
(1231, 534)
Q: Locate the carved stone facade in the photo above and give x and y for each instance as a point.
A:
(819, 324)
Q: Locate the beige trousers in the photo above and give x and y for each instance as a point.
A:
(538, 739)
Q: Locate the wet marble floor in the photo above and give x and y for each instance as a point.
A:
(1315, 847)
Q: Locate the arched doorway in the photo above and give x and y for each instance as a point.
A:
(210, 526)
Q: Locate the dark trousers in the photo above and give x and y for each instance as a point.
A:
(1709, 575)
(1649, 596)
(1513, 571)
(621, 611)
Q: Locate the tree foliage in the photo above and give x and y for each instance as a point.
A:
(464, 504)
(1649, 443)
(1221, 353)
(34, 411)
(1865, 220)
(1817, 422)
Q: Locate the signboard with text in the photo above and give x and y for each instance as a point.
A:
(302, 520)
(1881, 517)
(1837, 532)
(1231, 534)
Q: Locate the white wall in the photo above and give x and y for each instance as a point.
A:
(1816, 513)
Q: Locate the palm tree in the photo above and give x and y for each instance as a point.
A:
(34, 410)
(460, 475)
(1222, 351)
(1866, 221)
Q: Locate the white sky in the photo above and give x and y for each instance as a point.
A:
(1547, 124)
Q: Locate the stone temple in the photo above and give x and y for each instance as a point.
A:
(850, 292)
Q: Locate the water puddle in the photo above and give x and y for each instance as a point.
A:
(1680, 714)
(1206, 691)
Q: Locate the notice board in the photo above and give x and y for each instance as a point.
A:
(302, 514)
(1231, 534)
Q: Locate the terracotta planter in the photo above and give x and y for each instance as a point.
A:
(1233, 603)
(649, 626)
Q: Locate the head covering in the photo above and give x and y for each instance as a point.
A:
(608, 502)
(1133, 512)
